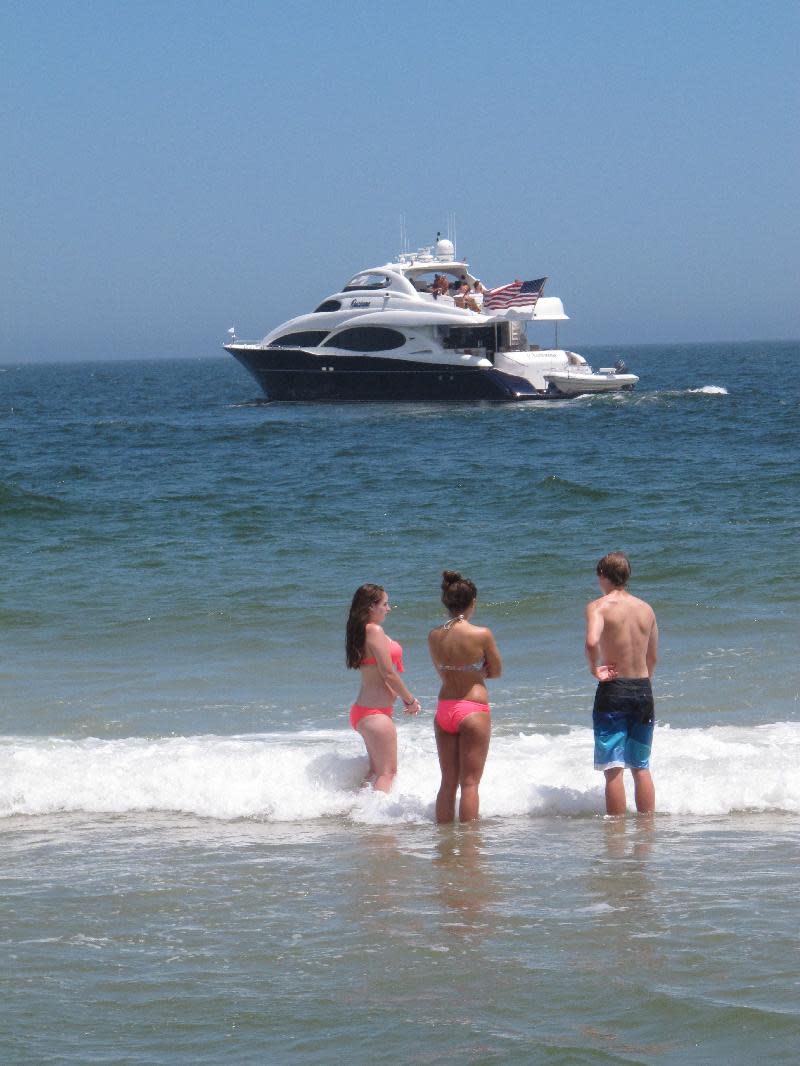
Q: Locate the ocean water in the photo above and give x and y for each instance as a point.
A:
(192, 872)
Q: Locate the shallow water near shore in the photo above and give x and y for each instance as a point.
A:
(519, 940)
(193, 872)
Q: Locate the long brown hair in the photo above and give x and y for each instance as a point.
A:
(364, 600)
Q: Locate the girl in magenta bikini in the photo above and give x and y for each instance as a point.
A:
(464, 655)
(380, 661)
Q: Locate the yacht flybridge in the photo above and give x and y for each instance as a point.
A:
(417, 330)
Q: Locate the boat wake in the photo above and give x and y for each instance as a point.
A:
(662, 395)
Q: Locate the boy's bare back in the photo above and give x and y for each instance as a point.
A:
(623, 629)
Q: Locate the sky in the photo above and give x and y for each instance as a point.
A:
(170, 169)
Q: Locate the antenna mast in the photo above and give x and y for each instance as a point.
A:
(451, 231)
(403, 234)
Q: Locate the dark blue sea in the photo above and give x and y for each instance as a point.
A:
(192, 873)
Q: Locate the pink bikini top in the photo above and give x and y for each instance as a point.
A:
(395, 653)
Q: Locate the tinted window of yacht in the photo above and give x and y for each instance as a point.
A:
(329, 305)
(310, 338)
(367, 339)
(366, 281)
(474, 336)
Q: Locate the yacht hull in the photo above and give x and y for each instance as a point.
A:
(295, 375)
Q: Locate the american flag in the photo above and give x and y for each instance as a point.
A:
(517, 294)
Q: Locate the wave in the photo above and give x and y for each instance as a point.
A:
(572, 489)
(660, 395)
(20, 503)
(21, 618)
(293, 777)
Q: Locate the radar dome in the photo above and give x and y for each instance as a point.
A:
(444, 249)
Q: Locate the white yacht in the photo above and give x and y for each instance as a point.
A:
(397, 333)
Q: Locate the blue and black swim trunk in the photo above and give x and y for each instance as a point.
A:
(623, 717)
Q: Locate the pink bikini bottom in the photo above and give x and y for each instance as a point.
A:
(451, 713)
(357, 712)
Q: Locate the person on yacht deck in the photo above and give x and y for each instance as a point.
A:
(462, 294)
(475, 301)
(440, 286)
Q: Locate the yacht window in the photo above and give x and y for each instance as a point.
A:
(366, 281)
(487, 337)
(367, 339)
(329, 305)
(309, 338)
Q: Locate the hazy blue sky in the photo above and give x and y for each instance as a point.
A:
(170, 169)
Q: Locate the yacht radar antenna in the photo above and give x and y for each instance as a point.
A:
(451, 231)
(404, 245)
(444, 249)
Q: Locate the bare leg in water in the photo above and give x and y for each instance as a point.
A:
(380, 737)
(462, 757)
(644, 791)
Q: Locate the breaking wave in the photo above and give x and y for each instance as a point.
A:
(319, 774)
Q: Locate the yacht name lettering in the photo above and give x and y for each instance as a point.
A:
(361, 303)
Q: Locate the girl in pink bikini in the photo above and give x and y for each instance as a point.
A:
(464, 656)
(380, 661)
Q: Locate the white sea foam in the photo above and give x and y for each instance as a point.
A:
(711, 390)
(310, 775)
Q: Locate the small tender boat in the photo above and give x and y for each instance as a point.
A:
(578, 378)
(406, 332)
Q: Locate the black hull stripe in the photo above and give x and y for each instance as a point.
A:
(286, 374)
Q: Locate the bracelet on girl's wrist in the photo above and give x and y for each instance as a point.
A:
(411, 702)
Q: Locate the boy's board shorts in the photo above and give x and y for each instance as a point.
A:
(623, 717)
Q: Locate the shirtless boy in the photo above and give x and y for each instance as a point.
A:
(622, 648)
